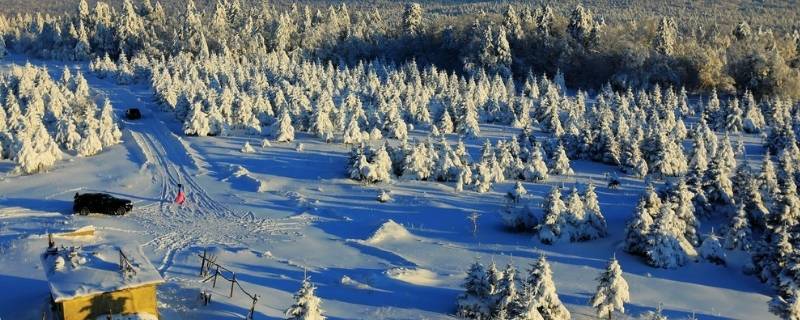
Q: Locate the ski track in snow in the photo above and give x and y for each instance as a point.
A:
(201, 221)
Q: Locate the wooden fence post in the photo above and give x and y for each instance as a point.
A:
(203, 264)
(233, 281)
(216, 273)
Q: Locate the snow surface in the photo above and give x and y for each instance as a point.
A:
(300, 225)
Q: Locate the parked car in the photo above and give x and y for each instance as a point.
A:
(133, 114)
(87, 203)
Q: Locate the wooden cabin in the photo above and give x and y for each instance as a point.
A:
(100, 280)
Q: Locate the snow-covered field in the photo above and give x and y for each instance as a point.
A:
(277, 213)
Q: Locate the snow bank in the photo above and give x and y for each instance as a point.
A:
(389, 231)
(242, 178)
(422, 277)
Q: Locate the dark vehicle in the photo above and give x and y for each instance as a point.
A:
(133, 114)
(87, 203)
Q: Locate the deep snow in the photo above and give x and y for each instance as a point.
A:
(278, 214)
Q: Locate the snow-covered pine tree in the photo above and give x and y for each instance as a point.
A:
(506, 295)
(612, 291)
(560, 162)
(575, 215)
(418, 163)
(109, 131)
(197, 122)
(786, 306)
(90, 144)
(321, 124)
(468, 120)
(711, 250)
(353, 133)
(738, 236)
(36, 150)
(306, 304)
(638, 228)
(536, 169)
(473, 303)
(283, 129)
(67, 134)
(594, 223)
(753, 118)
(543, 292)
(666, 246)
(554, 226)
(446, 123)
(680, 198)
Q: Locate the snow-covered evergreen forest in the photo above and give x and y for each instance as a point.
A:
(559, 111)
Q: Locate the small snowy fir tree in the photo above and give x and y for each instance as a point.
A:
(612, 291)
(666, 246)
(638, 228)
(247, 148)
(554, 225)
(306, 305)
(518, 193)
(90, 144)
(738, 235)
(109, 131)
(593, 225)
(536, 169)
(543, 291)
(711, 250)
(560, 162)
(653, 314)
(283, 129)
(265, 143)
(473, 303)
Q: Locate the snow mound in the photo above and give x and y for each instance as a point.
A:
(389, 231)
(242, 178)
(422, 277)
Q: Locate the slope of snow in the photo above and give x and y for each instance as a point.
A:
(389, 231)
(297, 220)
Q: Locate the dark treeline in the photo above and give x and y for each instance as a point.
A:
(621, 44)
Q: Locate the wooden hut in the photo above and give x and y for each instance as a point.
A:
(100, 280)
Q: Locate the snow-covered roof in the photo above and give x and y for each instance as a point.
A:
(95, 269)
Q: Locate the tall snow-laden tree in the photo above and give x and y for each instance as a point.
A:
(197, 122)
(412, 19)
(612, 291)
(468, 120)
(543, 292)
(306, 304)
(560, 162)
(109, 131)
(36, 150)
(554, 226)
(582, 27)
(283, 129)
(536, 169)
(638, 228)
(321, 124)
(666, 245)
(738, 236)
(664, 42)
(593, 225)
